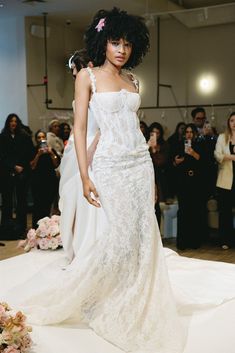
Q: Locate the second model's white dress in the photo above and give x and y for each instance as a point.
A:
(119, 284)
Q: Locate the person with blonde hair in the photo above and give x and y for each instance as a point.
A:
(225, 155)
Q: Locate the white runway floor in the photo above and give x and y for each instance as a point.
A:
(210, 331)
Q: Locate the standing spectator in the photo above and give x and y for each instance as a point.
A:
(53, 137)
(44, 179)
(65, 130)
(16, 150)
(225, 155)
(159, 152)
(199, 118)
(173, 141)
(188, 163)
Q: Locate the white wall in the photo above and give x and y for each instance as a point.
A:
(185, 54)
(61, 43)
(12, 69)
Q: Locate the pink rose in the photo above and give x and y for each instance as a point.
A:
(55, 218)
(7, 336)
(26, 342)
(42, 231)
(54, 243)
(43, 243)
(31, 234)
(54, 230)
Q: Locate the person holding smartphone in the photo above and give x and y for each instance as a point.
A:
(44, 179)
(188, 162)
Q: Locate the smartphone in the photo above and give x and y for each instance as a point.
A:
(187, 144)
(43, 144)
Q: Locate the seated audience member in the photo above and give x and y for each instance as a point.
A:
(53, 139)
(65, 130)
(225, 155)
(44, 179)
(188, 162)
(16, 150)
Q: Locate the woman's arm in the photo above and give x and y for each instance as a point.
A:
(220, 156)
(54, 157)
(82, 97)
(92, 148)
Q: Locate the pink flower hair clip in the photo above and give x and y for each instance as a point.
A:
(100, 25)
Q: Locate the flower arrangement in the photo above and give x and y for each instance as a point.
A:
(46, 236)
(14, 333)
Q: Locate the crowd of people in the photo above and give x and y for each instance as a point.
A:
(189, 166)
(29, 166)
(186, 167)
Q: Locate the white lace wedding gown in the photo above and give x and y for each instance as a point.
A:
(119, 284)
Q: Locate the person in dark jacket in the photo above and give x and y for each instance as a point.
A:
(189, 162)
(16, 150)
(44, 179)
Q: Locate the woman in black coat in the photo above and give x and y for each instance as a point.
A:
(188, 162)
(16, 150)
(44, 180)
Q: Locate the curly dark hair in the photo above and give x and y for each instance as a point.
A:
(117, 25)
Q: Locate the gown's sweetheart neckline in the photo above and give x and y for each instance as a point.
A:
(113, 92)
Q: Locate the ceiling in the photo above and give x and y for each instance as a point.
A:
(79, 12)
(190, 4)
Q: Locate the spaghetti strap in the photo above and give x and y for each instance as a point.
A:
(134, 80)
(93, 79)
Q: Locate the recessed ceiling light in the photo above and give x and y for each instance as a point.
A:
(1, 5)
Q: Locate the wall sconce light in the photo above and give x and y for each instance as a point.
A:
(207, 83)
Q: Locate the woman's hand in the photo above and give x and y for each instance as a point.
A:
(192, 153)
(18, 169)
(88, 189)
(178, 160)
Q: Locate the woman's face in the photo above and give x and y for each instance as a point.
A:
(155, 132)
(40, 136)
(232, 123)
(13, 124)
(66, 130)
(118, 51)
(181, 129)
(189, 133)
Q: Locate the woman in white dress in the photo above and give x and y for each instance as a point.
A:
(119, 285)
